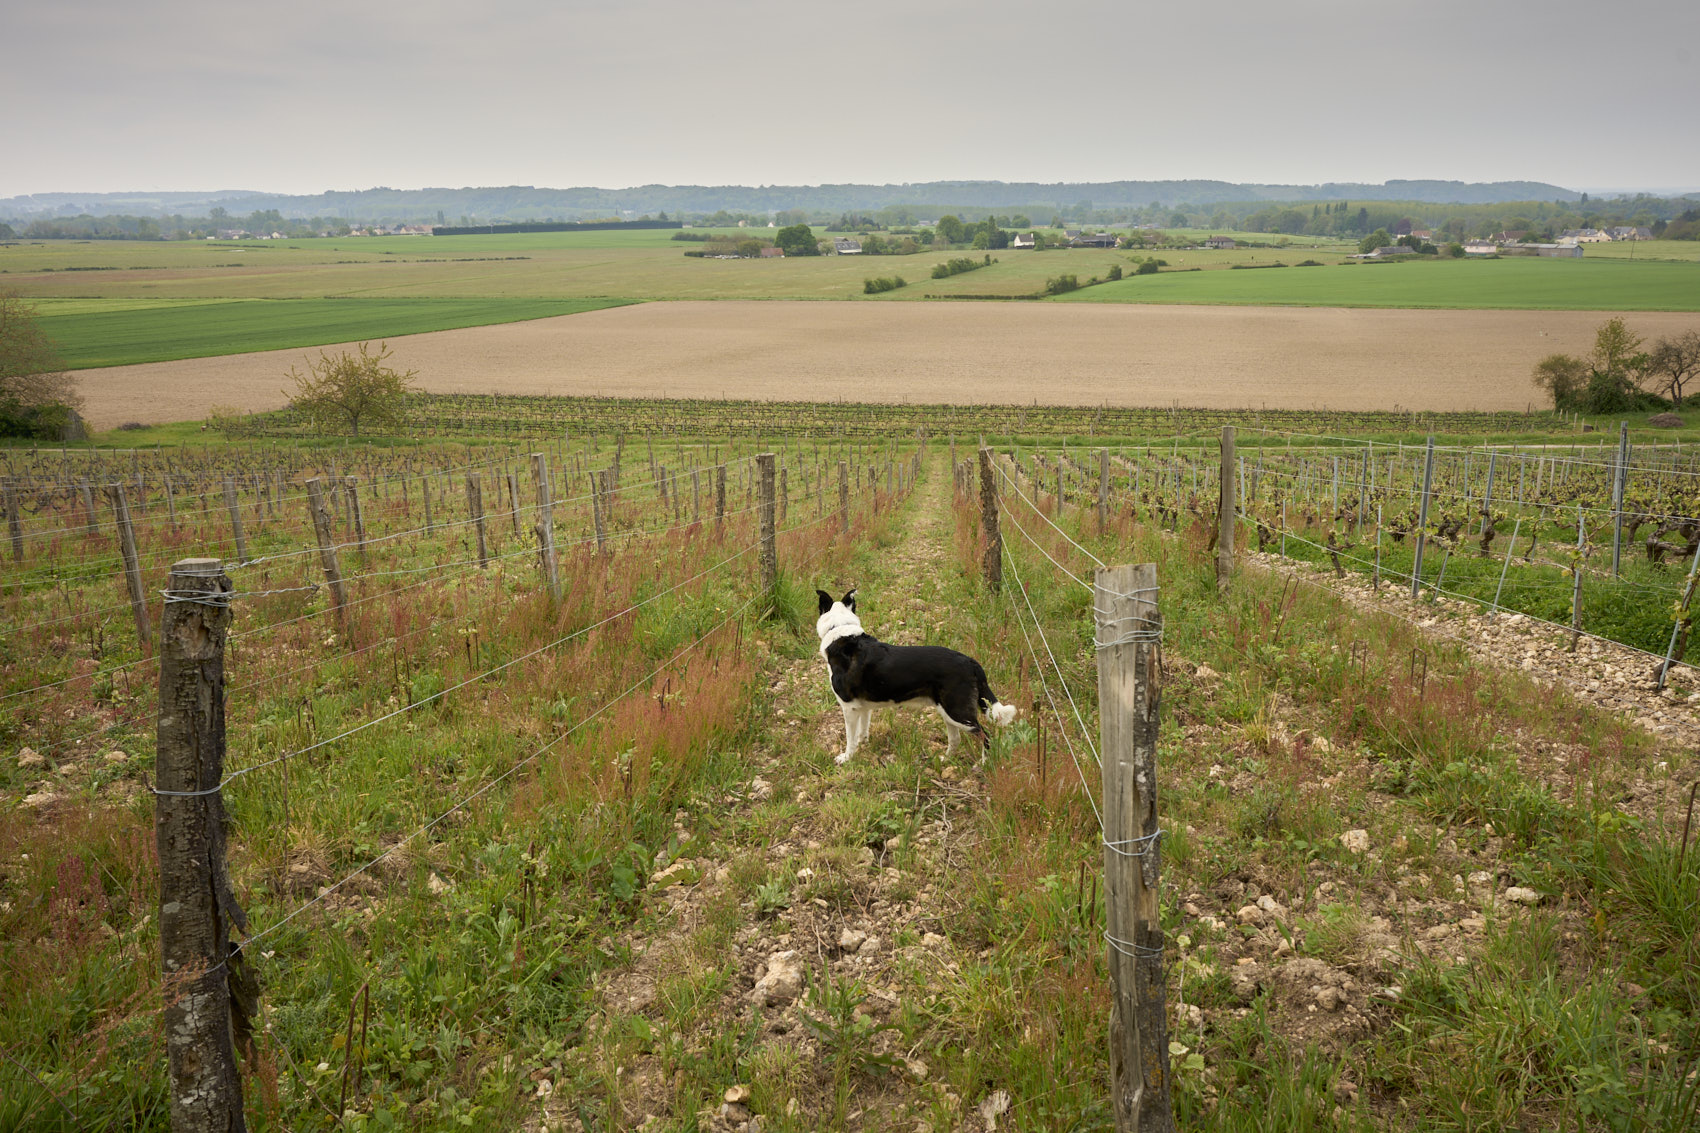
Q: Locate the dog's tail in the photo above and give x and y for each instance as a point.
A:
(996, 710)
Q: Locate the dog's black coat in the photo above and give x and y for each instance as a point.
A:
(865, 668)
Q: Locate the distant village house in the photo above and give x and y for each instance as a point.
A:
(1219, 242)
(846, 247)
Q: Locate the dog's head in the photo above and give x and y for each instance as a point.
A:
(837, 618)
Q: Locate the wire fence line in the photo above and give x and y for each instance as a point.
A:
(810, 552)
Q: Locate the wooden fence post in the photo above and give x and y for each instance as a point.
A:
(89, 524)
(765, 509)
(1576, 586)
(1103, 489)
(545, 528)
(1226, 512)
(513, 501)
(719, 497)
(322, 530)
(475, 508)
(425, 500)
(597, 482)
(194, 886)
(1129, 636)
(132, 567)
(991, 561)
(235, 511)
(784, 496)
(843, 495)
(15, 523)
(1422, 518)
(1620, 477)
(356, 513)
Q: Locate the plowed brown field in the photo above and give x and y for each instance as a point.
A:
(1074, 354)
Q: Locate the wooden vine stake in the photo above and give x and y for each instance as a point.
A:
(1226, 513)
(323, 532)
(1130, 687)
(843, 495)
(991, 563)
(546, 529)
(195, 898)
(765, 509)
(132, 565)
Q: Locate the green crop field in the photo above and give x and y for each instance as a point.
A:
(113, 332)
(1507, 284)
(115, 302)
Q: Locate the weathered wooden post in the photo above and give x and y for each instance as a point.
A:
(1103, 489)
(132, 566)
(719, 497)
(194, 886)
(235, 511)
(1422, 517)
(545, 528)
(597, 479)
(89, 521)
(1129, 641)
(784, 496)
(357, 514)
(324, 533)
(1576, 586)
(475, 508)
(425, 500)
(1620, 477)
(991, 562)
(843, 495)
(1487, 496)
(513, 501)
(1226, 513)
(15, 522)
(765, 508)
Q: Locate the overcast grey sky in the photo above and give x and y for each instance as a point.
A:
(110, 95)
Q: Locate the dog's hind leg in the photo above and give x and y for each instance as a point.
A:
(960, 716)
(952, 730)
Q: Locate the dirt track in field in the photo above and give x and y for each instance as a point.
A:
(1074, 354)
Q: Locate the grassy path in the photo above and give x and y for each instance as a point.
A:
(805, 960)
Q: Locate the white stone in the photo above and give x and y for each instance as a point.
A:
(1522, 896)
(29, 758)
(851, 939)
(783, 981)
(1355, 841)
(760, 789)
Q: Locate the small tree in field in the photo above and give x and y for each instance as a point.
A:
(345, 391)
(37, 397)
(1672, 363)
(1606, 381)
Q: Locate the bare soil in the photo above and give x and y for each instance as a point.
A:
(1060, 354)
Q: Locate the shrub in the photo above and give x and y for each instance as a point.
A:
(1061, 284)
(875, 286)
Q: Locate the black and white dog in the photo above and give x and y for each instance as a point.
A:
(866, 672)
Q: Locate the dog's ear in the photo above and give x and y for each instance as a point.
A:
(825, 601)
(850, 600)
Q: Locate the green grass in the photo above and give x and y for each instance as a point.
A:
(1508, 284)
(120, 332)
